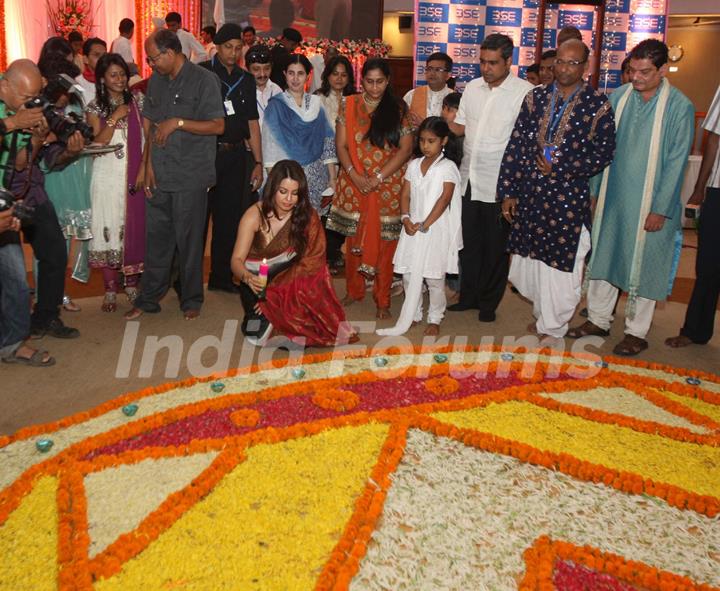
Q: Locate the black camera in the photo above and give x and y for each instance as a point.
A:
(63, 126)
(7, 200)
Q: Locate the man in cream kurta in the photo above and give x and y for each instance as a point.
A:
(426, 101)
(487, 114)
(636, 235)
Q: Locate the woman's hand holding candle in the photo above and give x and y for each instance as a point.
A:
(263, 277)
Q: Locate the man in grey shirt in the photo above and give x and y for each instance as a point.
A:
(183, 115)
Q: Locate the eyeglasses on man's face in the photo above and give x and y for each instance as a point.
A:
(573, 63)
(434, 70)
(152, 59)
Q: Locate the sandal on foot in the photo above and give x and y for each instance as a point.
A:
(109, 302)
(131, 293)
(678, 342)
(630, 345)
(134, 314)
(39, 358)
(587, 329)
(69, 305)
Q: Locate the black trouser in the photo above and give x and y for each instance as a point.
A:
(48, 244)
(700, 315)
(484, 259)
(174, 221)
(227, 202)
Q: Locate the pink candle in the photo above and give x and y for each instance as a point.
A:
(263, 271)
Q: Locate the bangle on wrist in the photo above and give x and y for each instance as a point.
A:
(350, 169)
(379, 176)
(422, 228)
(111, 122)
(404, 216)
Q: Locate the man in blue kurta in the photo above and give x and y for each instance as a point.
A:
(564, 135)
(636, 236)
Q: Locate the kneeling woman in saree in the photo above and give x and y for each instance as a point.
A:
(283, 235)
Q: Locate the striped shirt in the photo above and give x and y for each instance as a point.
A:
(712, 124)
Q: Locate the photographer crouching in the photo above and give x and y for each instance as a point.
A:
(26, 154)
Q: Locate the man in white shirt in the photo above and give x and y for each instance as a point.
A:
(249, 38)
(426, 101)
(259, 64)
(191, 47)
(207, 36)
(700, 315)
(93, 49)
(122, 44)
(487, 114)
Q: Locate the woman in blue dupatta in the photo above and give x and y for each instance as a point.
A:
(296, 128)
(118, 212)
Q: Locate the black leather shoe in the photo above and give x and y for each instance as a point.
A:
(459, 307)
(55, 328)
(486, 316)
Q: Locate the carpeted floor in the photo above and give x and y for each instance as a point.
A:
(86, 373)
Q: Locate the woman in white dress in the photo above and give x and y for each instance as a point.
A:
(430, 210)
(118, 212)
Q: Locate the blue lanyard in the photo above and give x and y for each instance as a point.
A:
(556, 117)
(234, 86)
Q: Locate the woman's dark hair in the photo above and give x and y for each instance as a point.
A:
(386, 120)
(103, 65)
(289, 169)
(439, 127)
(298, 58)
(55, 46)
(334, 62)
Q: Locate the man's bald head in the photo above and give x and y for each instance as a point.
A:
(22, 81)
(575, 47)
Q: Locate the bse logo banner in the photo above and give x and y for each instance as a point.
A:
(617, 22)
(463, 14)
(580, 19)
(647, 23)
(617, 6)
(433, 13)
(425, 50)
(466, 72)
(465, 34)
(461, 52)
(529, 35)
(434, 33)
(501, 16)
(615, 41)
(612, 59)
(647, 6)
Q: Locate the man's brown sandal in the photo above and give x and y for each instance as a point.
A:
(630, 345)
(587, 329)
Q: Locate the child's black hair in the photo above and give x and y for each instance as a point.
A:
(438, 127)
(452, 100)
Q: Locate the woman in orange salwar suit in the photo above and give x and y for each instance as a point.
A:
(374, 142)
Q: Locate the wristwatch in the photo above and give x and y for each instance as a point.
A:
(181, 122)
(422, 228)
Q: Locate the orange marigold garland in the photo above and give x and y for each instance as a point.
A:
(245, 417)
(336, 399)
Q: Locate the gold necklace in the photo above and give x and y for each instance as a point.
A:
(370, 102)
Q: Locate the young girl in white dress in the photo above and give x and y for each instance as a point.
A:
(430, 209)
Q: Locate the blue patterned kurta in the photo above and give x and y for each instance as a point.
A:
(552, 209)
